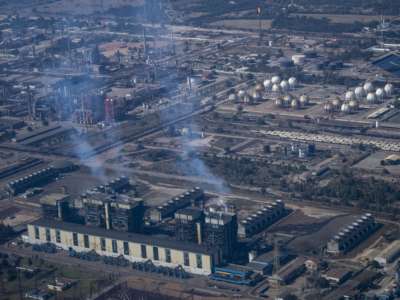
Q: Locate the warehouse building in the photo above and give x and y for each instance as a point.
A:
(56, 206)
(35, 179)
(389, 254)
(162, 251)
(352, 235)
(263, 218)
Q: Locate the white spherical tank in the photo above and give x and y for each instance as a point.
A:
(389, 89)
(359, 92)
(304, 100)
(284, 85)
(380, 93)
(345, 108)
(353, 105)
(267, 84)
(368, 87)
(275, 88)
(275, 80)
(349, 96)
(371, 98)
(292, 82)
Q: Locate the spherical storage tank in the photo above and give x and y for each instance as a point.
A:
(359, 92)
(256, 95)
(267, 84)
(345, 108)
(284, 85)
(389, 89)
(275, 80)
(371, 98)
(275, 88)
(368, 87)
(292, 82)
(349, 95)
(380, 93)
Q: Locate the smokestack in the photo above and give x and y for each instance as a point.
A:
(107, 215)
(199, 233)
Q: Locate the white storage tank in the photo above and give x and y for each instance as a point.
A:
(267, 84)
(275, 80)
(368, 87)
(380, 94)
(371, 98)
(284, 85)
(389, 89)
(292, 82)
(349, 96)
(359, 92)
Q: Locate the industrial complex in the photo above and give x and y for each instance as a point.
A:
(193, 149)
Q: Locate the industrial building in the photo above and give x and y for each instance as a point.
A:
(56, 206)
(193, 196)
(260, 220)
(188, 225)
(220, 232)
(113, 212)
(193, 258)
(35, 179)
(116, 185)
(389, 254)
(352, 235)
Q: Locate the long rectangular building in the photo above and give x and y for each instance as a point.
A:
(193, 258)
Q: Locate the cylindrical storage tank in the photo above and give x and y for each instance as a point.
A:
(304, 100)
(232, 97)
(389, 89)
(279, 102)
(359, 92)
(275, 80)
(328, 107)
(345, 108)
(380, 93)
(368, 87)
(241, 94)
(371, 98)
(287, 100)
(349, 96)
(336, 103)
(259, 87)
(267, 84)
(292, 82)
(298, 59)
(256, 95)
(284, 85)
(275, 88)
(294, 104)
